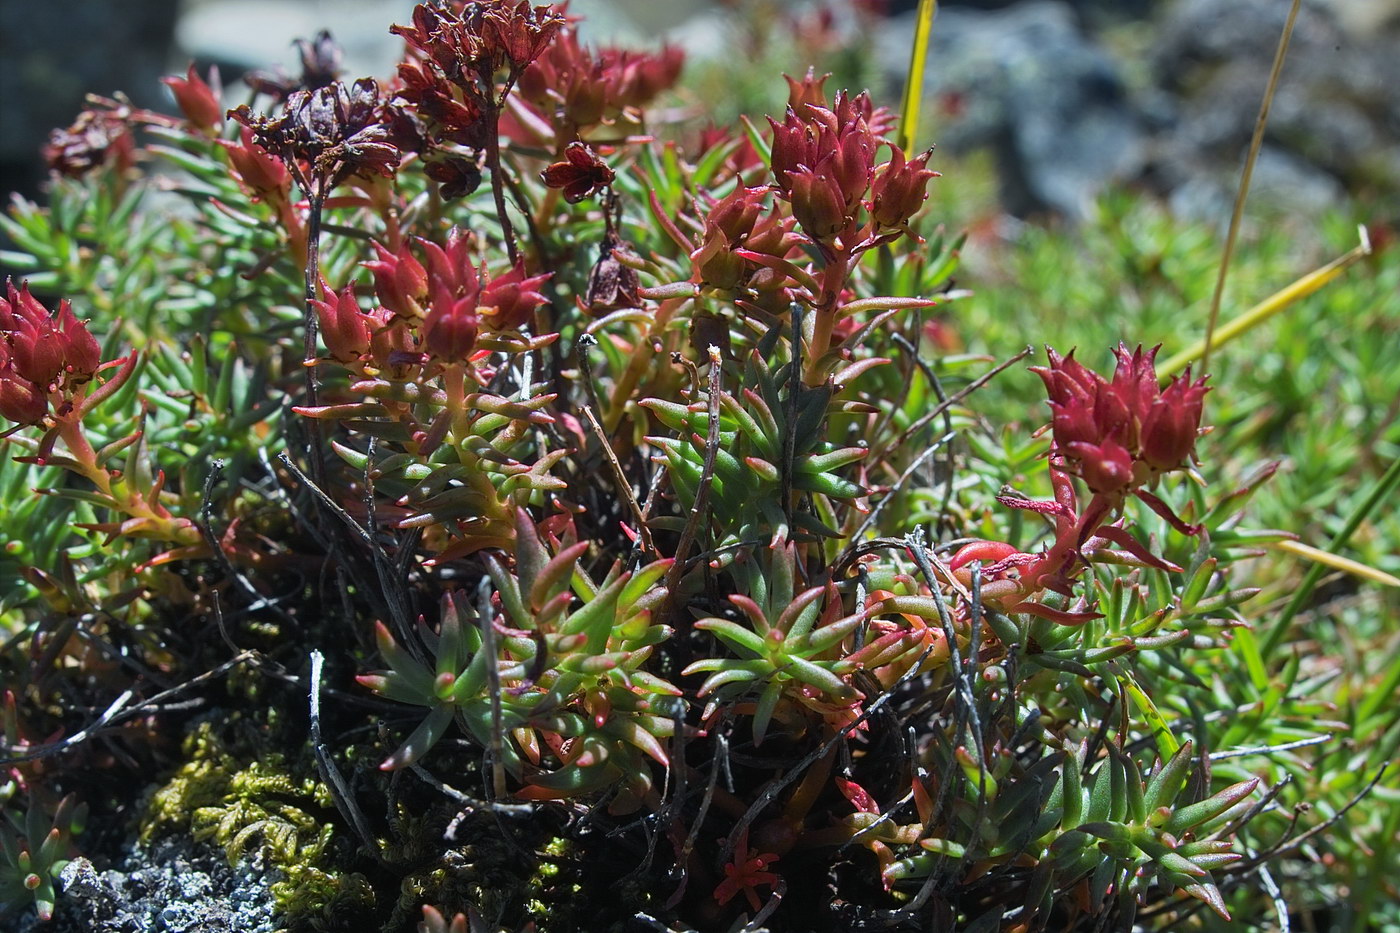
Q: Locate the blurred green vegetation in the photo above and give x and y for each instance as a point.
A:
(1316, 389)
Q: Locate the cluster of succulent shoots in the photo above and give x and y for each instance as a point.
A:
(600, 490)
(1118, 437)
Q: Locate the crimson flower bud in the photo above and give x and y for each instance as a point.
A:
(81, 353)
(736, 213)
(817, 203)
(21, 401)
(1073, 422)
(389, 337)
(261, 172)
(452, 263)
(794, 146)
(451, 326)
(34, 345)
(900, 189)
(1106, 468)
(196, 99)
(715, 262)
(807, 91)
(852, 164)
(344, 328)
(400, 281)
(1135, 379)
(1170, 429)
(509, 301)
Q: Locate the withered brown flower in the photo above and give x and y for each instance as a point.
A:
(327, 134)
(580, 174)
(101, 135)
(611, 285)
(320, 67)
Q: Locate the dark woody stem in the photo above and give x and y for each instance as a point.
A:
(316, 196)
(493, 163)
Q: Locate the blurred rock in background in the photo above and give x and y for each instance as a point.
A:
(1335, 123)
(1030, 83)
(52, 54)
(1069, 95)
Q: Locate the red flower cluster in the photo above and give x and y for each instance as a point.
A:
(824, 162)
(1122, 434)
(1118, 436)
(40, 352)
(824, 165)
(450, 299)
(575, 89)
(741, 233)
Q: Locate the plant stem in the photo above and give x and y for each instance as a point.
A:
(493, 162)
(316, 196)
(1245, 176)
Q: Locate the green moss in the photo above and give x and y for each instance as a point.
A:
(258, 805)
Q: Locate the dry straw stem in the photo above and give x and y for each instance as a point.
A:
(1254, 143)
(914, 80)
(1267, 308)
(1379, 493)
(1336, 561)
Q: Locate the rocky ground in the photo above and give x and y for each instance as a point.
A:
(171, 886)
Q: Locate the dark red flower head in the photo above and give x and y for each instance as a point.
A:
(400, 281)
(900, 189)
(509, 300)
(806, 91)
(580, 174)
(100, 136)
(1107, 430)
(41, 346)
(344, 327)
(576, 88)
(452, 324)
(330, 133)
(1172, 424)
(21, 401)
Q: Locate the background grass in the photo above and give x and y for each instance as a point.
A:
(1316, 389)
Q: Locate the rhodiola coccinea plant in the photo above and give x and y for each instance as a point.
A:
(581, 453)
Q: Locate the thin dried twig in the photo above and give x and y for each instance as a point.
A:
(620, 479)
(956, 397)
(1245, 176)
(344, 800)
(699, 510)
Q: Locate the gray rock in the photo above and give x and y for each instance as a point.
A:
(1029, 83)
(171, 886)
(1335, 122)
(52, 54)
